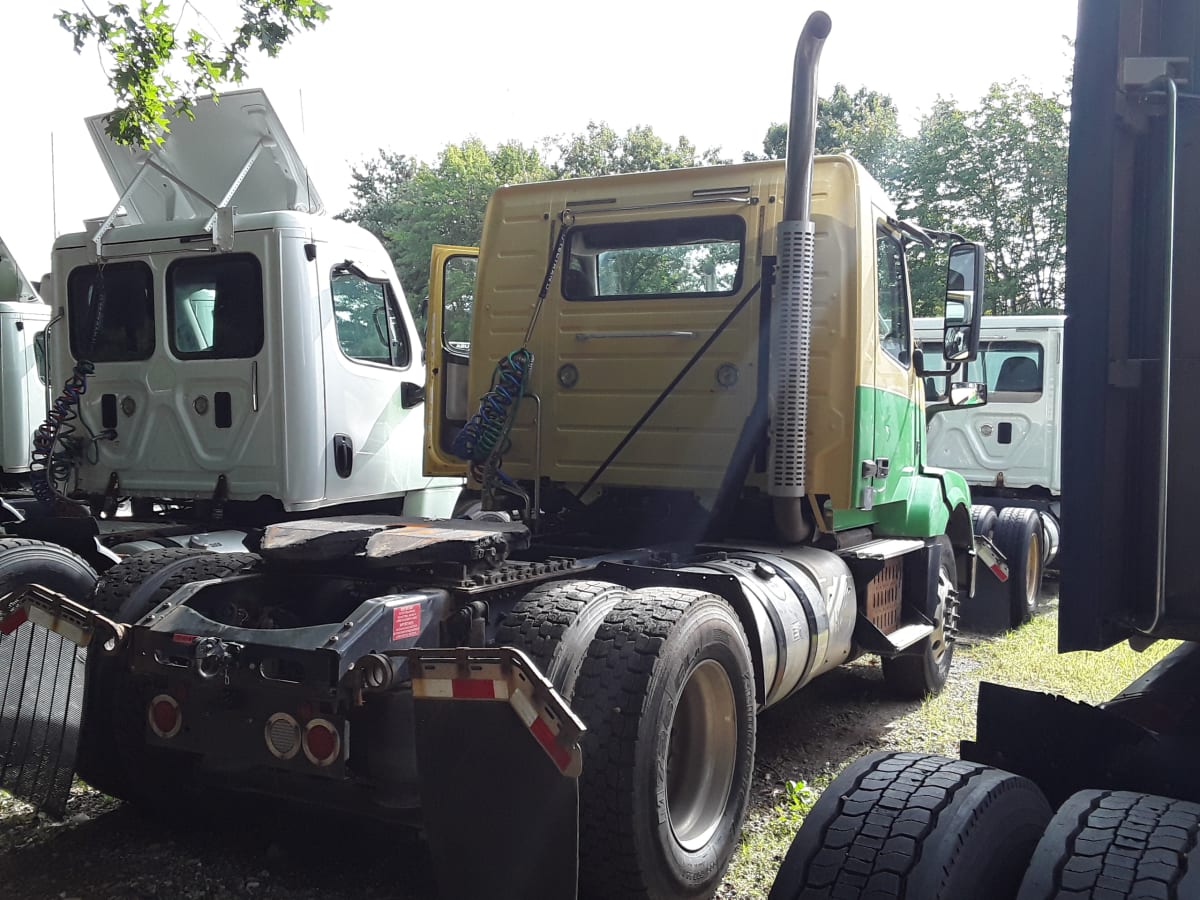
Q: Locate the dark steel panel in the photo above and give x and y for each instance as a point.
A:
(1112, 356)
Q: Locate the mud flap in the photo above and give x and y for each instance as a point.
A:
(499, 760)
(988, 610)
(41, 686)
(43, 660)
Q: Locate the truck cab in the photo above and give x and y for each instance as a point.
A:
(654, 267)
(23, 320)
(245, 356)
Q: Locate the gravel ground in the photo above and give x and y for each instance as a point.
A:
(104, 849)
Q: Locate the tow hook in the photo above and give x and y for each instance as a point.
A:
(212, 657)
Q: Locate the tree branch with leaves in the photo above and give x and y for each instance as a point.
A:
(157, 69)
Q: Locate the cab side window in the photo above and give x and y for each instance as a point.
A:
(893, 297)
(369, 327)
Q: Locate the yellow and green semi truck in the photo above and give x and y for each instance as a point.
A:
(692, 407)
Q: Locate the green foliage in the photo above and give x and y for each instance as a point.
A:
(599, 150)
(996, 173)
(145, 49)
(412, 205)
(864, 124)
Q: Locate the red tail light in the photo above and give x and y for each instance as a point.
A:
(164, 716)
(322, 743)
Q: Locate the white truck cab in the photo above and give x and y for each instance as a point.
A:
(1009, 450)
(23, 318)
(249, 351)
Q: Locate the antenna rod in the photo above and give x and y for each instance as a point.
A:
(53, 191)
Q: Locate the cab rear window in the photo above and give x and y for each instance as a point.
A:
(110, 309)
(693, 257)
(215, 307)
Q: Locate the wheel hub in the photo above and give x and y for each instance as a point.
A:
(701, 755)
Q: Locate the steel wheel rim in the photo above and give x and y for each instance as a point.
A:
(1032, 564)
(701, 755)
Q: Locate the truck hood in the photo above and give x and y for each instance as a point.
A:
(203, 157)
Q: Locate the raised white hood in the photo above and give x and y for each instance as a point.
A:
(208, 158)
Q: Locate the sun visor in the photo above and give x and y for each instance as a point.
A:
(235, 152)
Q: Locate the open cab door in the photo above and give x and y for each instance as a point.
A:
(447, 354)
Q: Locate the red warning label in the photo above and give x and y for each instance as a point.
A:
(406, 621)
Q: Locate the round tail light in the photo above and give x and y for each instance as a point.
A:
(164, 716)
(283, 735)
(322, 743)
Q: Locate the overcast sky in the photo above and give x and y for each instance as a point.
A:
(411, 77)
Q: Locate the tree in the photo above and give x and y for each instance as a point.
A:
(998, 174)
(411, 205)
(599, 150)
(156, 70)
(864, 124)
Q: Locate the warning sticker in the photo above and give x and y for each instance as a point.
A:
(406, 621)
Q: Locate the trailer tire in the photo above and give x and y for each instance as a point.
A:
(667, 694)
(113, 756)
(1018, 536)
(983, 520)
(1117, 844)
(909, 826)
(916, 675)
(554, 624)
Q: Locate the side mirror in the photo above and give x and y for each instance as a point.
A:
(411, 394)
(964, 302)
(967, 393)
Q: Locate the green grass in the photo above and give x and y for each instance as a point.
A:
(1027, 658)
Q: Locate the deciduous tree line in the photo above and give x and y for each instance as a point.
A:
(996, 173)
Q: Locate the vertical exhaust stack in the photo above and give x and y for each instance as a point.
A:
(791, 325)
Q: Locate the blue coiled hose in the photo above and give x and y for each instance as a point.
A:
(45, 466)
(486, 433)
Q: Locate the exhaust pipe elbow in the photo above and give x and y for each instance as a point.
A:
(802, 125)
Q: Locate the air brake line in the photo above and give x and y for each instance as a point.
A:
(666, 392)
(484, 438)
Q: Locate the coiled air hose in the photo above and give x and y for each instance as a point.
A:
(486, 433)
(485, 436)
(47, 467)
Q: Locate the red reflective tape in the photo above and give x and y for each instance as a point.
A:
(545, 737)
(998, 571)
(13, 622)
(184, 638)
(473, 689)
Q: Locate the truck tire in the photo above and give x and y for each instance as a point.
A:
(983, 520)
(1116, 845)
(1018, 536)
(24, 562)
(917, 675)
(554, 624)
(140, 582)
(667, 694)
(909, 826)
(113, 755)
